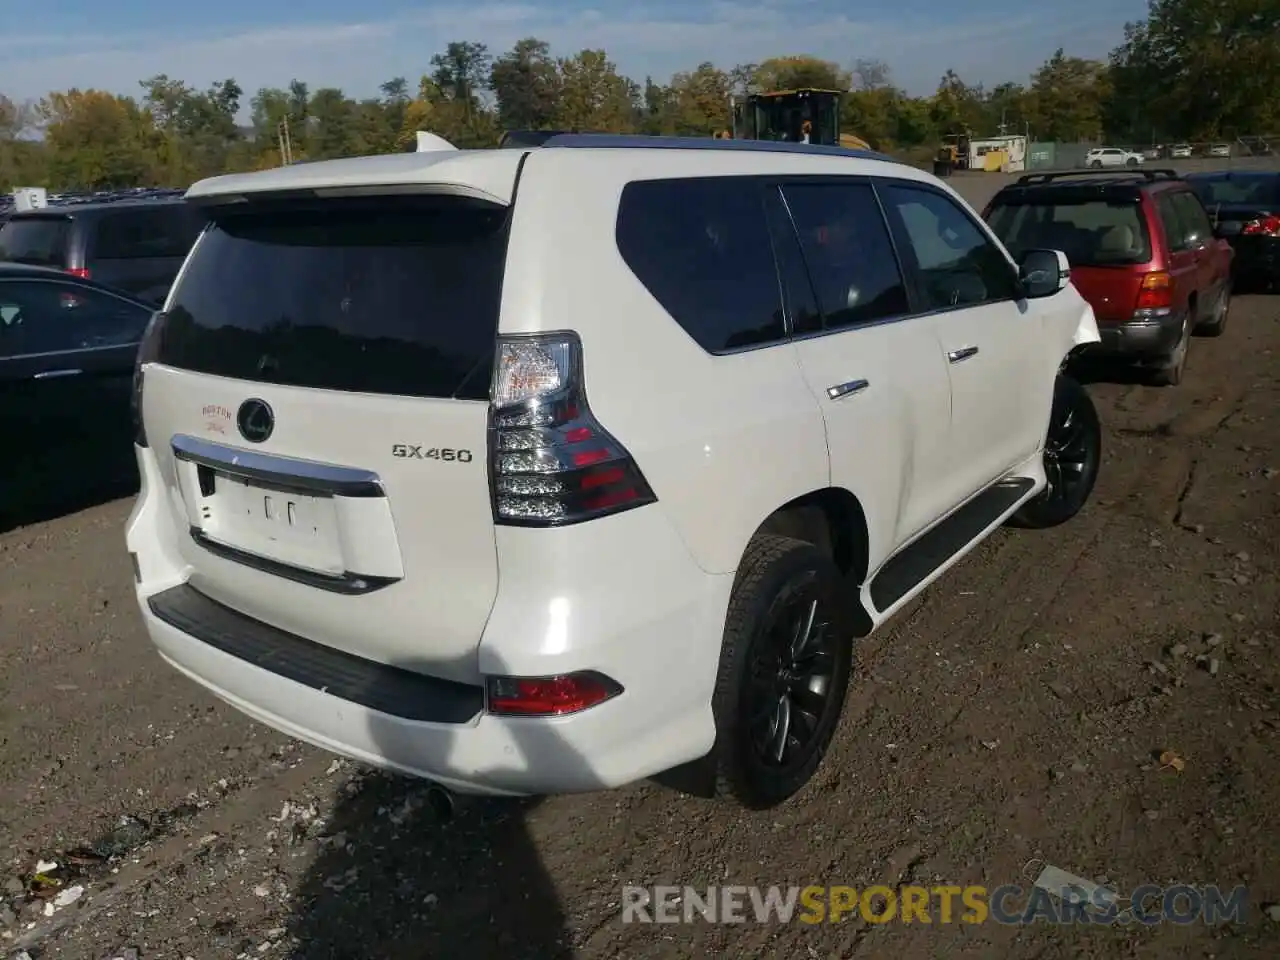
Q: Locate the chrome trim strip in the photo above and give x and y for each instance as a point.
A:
(347, 583)
(842, 390)
(306, 476)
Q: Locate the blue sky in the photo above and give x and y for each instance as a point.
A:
(355, 46)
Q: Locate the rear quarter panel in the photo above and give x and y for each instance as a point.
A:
(723, 440)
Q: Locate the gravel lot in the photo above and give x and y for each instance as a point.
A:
(1013, 714)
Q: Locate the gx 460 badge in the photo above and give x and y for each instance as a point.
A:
(409, 451)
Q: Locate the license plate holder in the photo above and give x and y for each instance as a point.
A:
(273, 522)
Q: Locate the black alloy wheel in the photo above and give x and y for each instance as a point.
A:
(792, 674)
(785, 662)
(1072, 456)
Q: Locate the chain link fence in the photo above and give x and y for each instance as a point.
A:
(1251, 152)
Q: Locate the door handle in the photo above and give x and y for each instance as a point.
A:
(51, 374)
(964, 353)
(842, 390)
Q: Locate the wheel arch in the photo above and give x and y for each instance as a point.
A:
(834, 519)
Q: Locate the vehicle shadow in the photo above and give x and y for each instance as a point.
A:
(1087, 370)
(28, 497)
(396, 880)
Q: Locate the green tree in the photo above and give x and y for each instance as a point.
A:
(526, 84)
(98, 140)
(801, 70)
(1067, 99)
(1199, 69)
(698, 102)
(22, 160)
(462, 72)
(956, 106)
(332, 132)
(594, 96)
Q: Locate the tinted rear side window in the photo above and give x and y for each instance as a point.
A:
(848, 251)
(372, 296)
(1089, 232)
(701, 247)
(37, 240)
(1239, 188)
(145, 233)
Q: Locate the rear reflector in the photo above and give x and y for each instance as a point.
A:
(549, 696)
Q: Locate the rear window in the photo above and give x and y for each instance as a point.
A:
(146, 233)
(37, 240)
(369, 296)
(1244, 189)
(1090, 232)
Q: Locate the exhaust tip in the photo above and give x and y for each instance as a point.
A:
(441, 803)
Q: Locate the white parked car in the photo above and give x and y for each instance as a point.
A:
(1180, 151)
(1219, 149)
(1112, 157)
(545, 470)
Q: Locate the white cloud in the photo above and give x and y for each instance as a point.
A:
(357, 56)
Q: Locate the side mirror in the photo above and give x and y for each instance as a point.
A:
(1043, 273)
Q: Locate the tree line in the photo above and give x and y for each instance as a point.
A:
(1192, 70)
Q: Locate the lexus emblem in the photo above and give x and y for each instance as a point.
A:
(255, 420)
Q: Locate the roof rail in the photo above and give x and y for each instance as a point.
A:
(624, 141)
(1161, 173)
(520, 139)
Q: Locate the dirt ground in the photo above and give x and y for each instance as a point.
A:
(1012, 717)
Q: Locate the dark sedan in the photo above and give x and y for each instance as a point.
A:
(1245, 207)
(67, 352)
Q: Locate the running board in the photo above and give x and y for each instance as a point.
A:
(918, 561)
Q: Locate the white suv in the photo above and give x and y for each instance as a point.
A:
(549, 469)
(1113, 157)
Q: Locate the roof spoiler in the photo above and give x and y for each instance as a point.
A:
(430, 143)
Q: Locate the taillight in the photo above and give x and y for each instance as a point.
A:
(1268, 226)
(1155, 296)
(549, 696)
(81, 272)
(551, 462)
(148, 352)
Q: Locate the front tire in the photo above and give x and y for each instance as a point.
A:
(784, 670)
(1072, 456)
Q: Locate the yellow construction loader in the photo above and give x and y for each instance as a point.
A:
(803, 115)
(953, 153)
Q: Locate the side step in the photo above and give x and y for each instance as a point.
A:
(919, 559)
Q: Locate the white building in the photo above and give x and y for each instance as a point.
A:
(998, 154)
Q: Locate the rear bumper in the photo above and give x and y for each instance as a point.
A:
(620, 595)
(1144, 339)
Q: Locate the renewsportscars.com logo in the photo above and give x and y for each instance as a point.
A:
(1009, 904)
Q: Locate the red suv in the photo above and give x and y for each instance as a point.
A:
(1142, 250)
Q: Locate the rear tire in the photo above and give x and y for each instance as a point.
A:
(1215, 325)
(1072, 456)
(1170, 373)
(785, 662)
